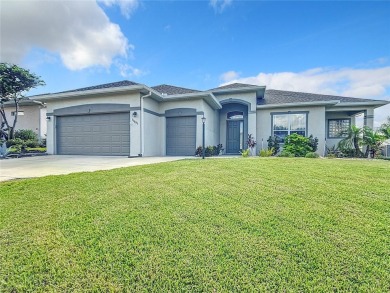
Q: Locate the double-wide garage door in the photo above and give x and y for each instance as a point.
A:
(95, 134)
(181, 136)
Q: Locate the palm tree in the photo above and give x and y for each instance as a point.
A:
(385, 128)
(353, 140)
(373, 140)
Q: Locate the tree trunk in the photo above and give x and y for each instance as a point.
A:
(4, 133)
(356, 145)
(12, 129)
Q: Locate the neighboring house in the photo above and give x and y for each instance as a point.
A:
(386, 149)
(31, 115)
(126, 118)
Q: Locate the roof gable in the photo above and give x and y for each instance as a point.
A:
(233, 86)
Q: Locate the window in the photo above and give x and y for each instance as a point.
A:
(235, 115)
(20, 113)
(284, 124)
(337, 128)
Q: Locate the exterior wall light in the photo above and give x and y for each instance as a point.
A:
(134, 114)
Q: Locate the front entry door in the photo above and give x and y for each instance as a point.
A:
(234, 136)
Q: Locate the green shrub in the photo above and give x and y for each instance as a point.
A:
(14, 142)
(331, 156)
(245, 153)
(312, 155)
(209, 151)
(313, 142)
(266, 152)
(286, 154)
(31, 143)
(26, 134)
(43, 143)
(274, 143)
(297, 145)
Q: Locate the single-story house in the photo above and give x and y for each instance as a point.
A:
(127, 118)
(31, 115)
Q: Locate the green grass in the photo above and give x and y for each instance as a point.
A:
(256, 224)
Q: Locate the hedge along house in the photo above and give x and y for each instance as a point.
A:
(131, 119)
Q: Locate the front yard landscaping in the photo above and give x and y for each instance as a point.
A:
(216, 225)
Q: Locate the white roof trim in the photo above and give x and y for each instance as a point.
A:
(237, 90)
(75, 94)
(209, 97)
(370, 103)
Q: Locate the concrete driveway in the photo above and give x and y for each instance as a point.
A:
(57, 165)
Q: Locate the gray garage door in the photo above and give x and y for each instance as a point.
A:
(97, 134)
(181, 136)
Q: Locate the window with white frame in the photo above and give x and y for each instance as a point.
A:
(338, 128)
(20, 113)
(284, 124)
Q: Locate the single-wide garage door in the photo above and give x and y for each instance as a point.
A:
(94, 134)
(181, 136)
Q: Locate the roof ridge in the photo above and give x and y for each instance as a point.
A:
(102, 86)
(323, 95)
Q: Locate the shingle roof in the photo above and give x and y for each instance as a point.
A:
(272, 97)
(104, 86)
(166, 89)
(232, 86)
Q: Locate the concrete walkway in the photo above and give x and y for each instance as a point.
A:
(57, 165)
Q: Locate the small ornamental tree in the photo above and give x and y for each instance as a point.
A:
(385, 128)
(14, 81)
(274, 144)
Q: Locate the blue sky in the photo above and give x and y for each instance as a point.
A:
(331, 47)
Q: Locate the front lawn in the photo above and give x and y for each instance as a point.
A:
(215, 225)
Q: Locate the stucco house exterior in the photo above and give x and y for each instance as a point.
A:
(130, 119)
(31, 115)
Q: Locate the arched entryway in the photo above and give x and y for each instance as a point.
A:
(234, 126)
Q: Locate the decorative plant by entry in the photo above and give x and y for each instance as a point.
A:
(251, 141)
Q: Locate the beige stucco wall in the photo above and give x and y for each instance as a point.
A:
(211, 125)
(316, 124)
(34, 118)
(154, 143)
(247, 97)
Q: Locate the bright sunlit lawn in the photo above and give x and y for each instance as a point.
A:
(256, 224)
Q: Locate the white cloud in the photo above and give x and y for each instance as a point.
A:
(78, 31)
(220, 5)
(127, 7)
(229, 75)
(127, 70)
(371, 83)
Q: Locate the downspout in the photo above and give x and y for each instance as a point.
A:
(43, 105)
(142, 136)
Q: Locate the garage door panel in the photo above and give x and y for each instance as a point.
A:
(181, 136)
(100, 134)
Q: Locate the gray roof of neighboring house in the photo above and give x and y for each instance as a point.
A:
(272, 97)
(103, 86)
(233, 86)
(166, 89)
